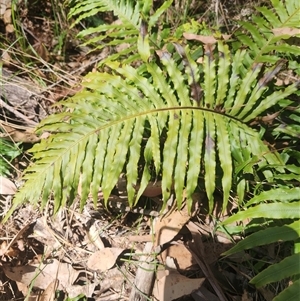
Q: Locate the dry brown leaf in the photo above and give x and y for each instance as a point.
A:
(23, 288)
(49, 292)
(95, 239)
(286, 31)
(16, 135)
(86, 290)
(7, 186)
(174, 285)
(104, 259)
(203, 294)
(204, 39)
(9, 28)
(8, 251)
(7, 17)
(180, 254)
(201, 38)
(168, 226)
(153, 189)
(42, 274)
(196, 247)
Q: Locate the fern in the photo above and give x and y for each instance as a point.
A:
(128, 116)
(8, 152)
(289, 266)
(125, 31)
(267, 37)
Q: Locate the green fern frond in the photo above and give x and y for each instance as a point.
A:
(147, 122)
(288, 232)
(267, 35)
(290, 266)
(101, 133)
(287, 208)
(124, 10)
(124, 32)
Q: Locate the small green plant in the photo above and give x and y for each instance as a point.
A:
(8, 152)
(284, 204)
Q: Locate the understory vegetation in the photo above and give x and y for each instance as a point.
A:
(197, 107)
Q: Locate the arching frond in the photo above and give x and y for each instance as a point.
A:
(102, 131)
(178, 118)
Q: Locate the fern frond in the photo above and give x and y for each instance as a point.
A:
(288, 232)
(124, 10)
(124, 32)
(288, 208)
(290, 266)
(266, 36)
(101, 133)
(290, 293)
(128, 116)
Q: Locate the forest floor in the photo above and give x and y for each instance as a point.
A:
(100, 254)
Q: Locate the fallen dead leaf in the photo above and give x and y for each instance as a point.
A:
(104, 259)
(95, 239)
(86, 290)
(196, 247)
(7, 186)
(9, 28)
(153, 189)
(204, 39)
(7, 16)
(49, 292)
(9, 251)
(168, 226)
(183, 258)
(174, 285)
(43, 274)
(203, 294)
(286, 31)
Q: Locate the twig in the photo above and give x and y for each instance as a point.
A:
(17, 113)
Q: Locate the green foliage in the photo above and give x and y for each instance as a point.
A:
(125, 31)
(171, 117)
(187, 113)
(268, 35)
(8, 152)
(287, 208)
